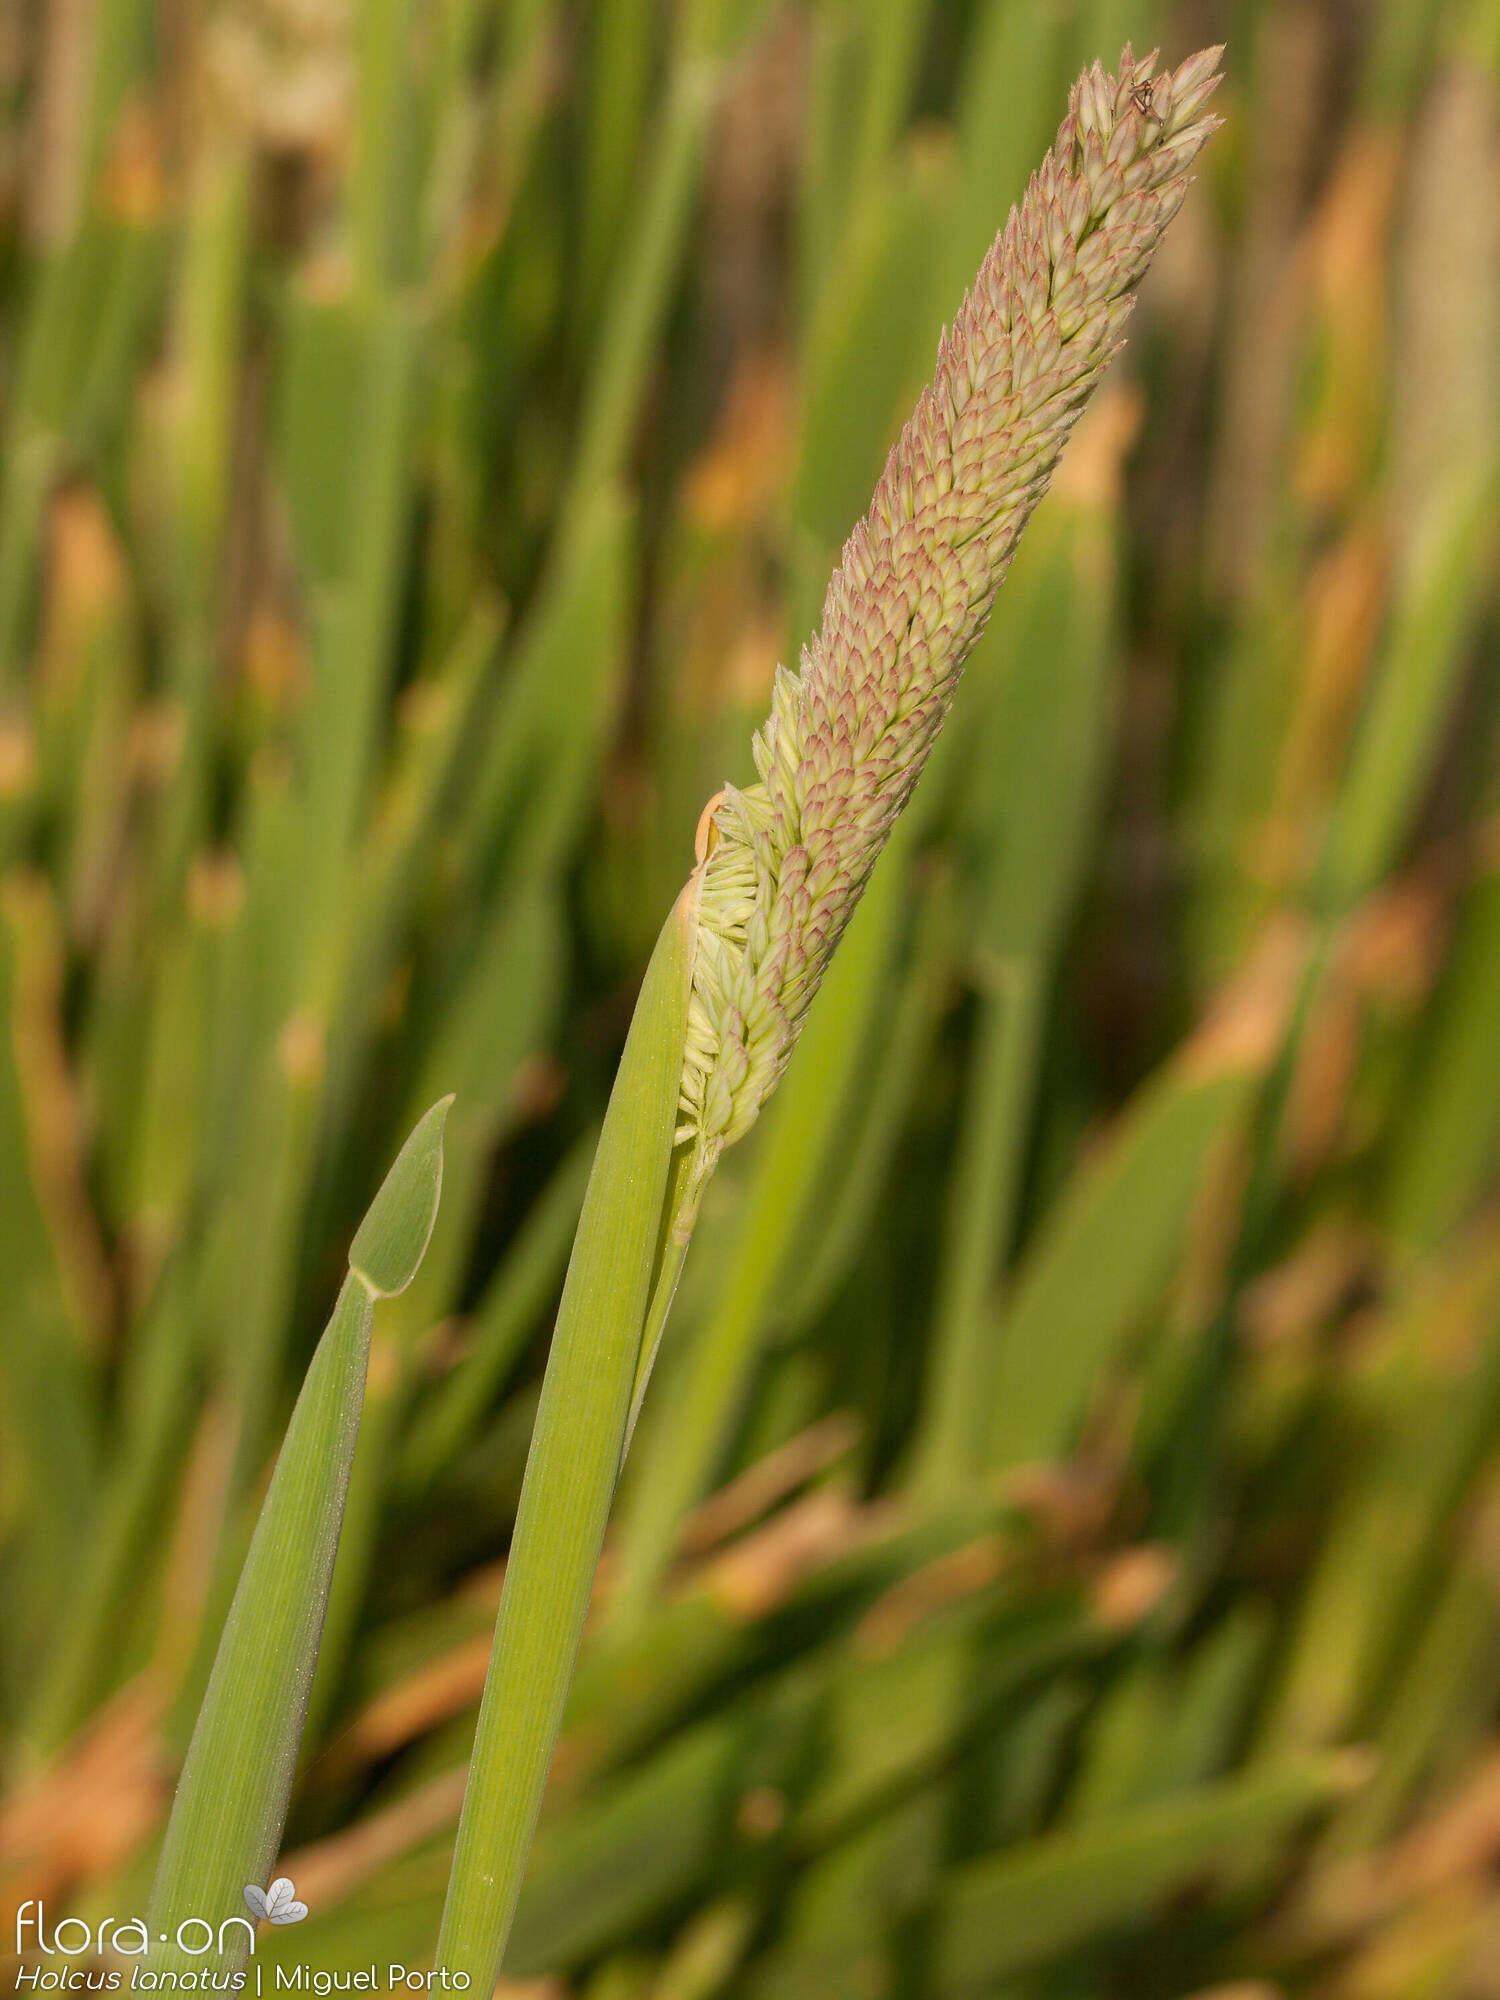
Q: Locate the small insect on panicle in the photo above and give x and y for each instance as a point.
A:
(782, 863)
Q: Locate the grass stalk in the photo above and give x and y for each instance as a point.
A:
(571, 1470)
(985, 1192)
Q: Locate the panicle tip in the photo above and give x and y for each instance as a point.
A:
(783, 863)
(1194, 82)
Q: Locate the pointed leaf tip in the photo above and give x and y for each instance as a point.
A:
(390, 1243)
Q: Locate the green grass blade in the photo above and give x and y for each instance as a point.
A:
(571, 1471)
(1413, 693)
(136, 1492)
(344, 717)
(506, 1314)
(440, 716)
(983, 1201)
(1437, 1419)
(1449, 1133)
(386, 181)
(1012, 75)
(500, 1015)
(497, 1018)
(999, 1917)
(618, 53)
(893, 58)
(231, 1803)
(1103, 1257)
(637, 300)
(49, 1389)
(1032, 797)
(552, 720)
(392, 1240)
(1444, 1697)
(876, 1127)
(869, 337)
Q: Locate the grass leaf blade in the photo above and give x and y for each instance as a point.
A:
(231, 1803)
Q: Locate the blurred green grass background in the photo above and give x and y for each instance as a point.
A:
(1061, 1552)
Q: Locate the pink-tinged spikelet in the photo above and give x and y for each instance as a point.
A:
(787, 859)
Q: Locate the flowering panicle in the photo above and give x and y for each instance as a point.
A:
(783, 862)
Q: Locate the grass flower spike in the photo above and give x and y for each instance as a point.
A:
(781, 866)
(784, 861)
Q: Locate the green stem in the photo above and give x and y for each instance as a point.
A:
(684, 1194)
(574, 1462)
(981, 1221)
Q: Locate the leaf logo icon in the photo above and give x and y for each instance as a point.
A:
(278, 1904)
